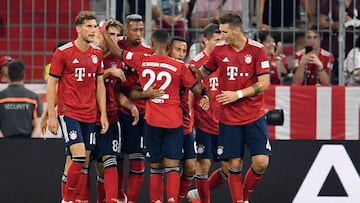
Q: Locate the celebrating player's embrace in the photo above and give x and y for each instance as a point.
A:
(114, 96)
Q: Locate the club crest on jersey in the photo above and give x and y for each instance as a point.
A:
(248, 59)
(94, 59)
(220, 150)
(73, 135)
(200, 149)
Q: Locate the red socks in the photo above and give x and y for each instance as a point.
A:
(185, 184)
(156, 185)
(250, 182)
(100, 190)
(172, 184)
(202, 185)
(136, 178)
(217, 178)
(73, 177)
(236, 185)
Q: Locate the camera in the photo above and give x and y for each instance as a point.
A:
(275, 117)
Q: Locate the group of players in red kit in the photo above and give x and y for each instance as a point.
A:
(112, 95)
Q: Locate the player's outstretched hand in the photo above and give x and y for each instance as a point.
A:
(135, 113)
(104, 124)
(204, 103)
(226, 97)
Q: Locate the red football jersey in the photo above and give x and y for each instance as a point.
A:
(274, 78)
(132, 76)
(239, 70)
(187, 111)
(112, 106)
(207, 120)
(167, 74)
(77, 72)
(326, 58)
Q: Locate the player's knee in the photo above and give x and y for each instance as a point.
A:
(235, 164)
(190, 169)
(203, 166)
(260, 166)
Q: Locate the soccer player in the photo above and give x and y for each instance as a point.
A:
(163, 115)
(108, 145)
(207, 126)
(178, 50)
(243, 76)
(77, 72)
(132, 135)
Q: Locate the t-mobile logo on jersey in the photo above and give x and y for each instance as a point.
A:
(79, 74)
(232, 72)
(213, 83)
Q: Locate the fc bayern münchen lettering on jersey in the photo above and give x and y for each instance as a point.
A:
(167, 74)
(132, 75)
(207, 120)
(239, 70)
(77, 71)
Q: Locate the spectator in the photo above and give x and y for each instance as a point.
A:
(329, 19)
(20, 107)
(313, 64)
(207, 10)
(171, 14)
(352, 66)
(4, 60)
(278, 61)
(131, 6)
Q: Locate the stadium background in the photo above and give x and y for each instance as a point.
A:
(315, 117)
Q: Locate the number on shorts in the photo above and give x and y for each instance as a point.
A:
(92, 140)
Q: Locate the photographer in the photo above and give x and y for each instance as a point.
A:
(313, 64)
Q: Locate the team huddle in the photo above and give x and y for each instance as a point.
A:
(112, 95)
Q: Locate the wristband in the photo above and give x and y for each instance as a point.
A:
(102, 29)
(239, 94)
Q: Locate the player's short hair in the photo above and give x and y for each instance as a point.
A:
(16, 70)
(160, 36)
(114, 23)
(210, 30)
(233, 19)
(85, 15)
(133, 18)
(177, 38)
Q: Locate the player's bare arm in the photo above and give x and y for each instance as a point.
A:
(124, 102)
(150, 93)
(226, 97)
(101, 100)
(51, 97)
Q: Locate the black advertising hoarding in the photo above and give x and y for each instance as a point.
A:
(299, 171)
